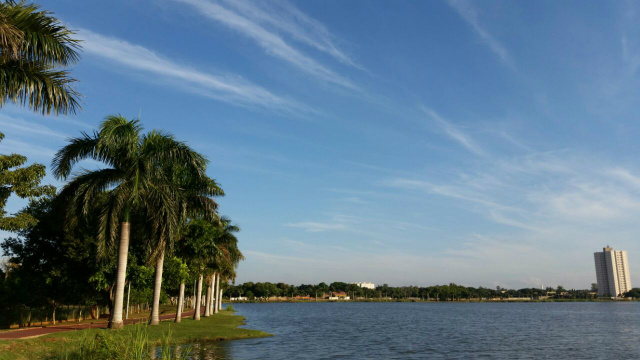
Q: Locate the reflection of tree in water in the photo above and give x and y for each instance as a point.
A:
(209, 350)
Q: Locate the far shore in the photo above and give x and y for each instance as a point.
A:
(389, 300)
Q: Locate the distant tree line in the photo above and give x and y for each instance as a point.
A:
(451, 292)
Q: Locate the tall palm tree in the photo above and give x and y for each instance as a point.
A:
(33, 46)
(227, 257)
(197, 248)
(135, 179)
(192, 197)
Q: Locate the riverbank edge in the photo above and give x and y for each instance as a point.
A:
(224, 326)
(432, 301)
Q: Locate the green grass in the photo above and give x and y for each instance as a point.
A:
(222, 326)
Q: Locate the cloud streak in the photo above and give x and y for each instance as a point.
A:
(27, 127)
(455, 133)
(470, 15)
(311, 226)
(285, 17)
(248, 23)
(226, 88)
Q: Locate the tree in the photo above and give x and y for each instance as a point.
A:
(633, 293)
(176, 274)
(23, 182)
(135, 180)
(51, 264)
(33, 47)
(192, 196)
(227, 258)
(197, 248)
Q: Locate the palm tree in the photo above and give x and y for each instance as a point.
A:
(33, 46)
(227, 257)
(192, 197)
(197, 248)
(135, 180)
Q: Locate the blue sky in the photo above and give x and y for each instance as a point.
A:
(407, 142)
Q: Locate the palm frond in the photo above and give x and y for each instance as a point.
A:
(38, 86)
(110, 218)
(80, 148)
(164, 150)
(44, 39)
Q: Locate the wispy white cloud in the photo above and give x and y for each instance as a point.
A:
(29, 149)
(626, 177)
(248, 20)
(455, 133)
(541, 191)
(27, 127)
(468, 12)
(229, 88)
(450, 191)
(285, 17)
(311, 226)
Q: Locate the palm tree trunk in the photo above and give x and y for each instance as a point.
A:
(196, 314)
(218, 295)
(155, 312)
(128, 297)
(213, 292)
(207, 308)
(123, 252)
(180, 301)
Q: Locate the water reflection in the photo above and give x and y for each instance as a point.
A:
(208, 350)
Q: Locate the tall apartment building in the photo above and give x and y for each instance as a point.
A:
(367, 285)
(612, 272)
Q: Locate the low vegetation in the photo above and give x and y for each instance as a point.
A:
(132, 342)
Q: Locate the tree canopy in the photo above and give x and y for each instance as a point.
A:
(22, 181)
(34, 49)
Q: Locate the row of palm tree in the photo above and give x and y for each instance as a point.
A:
(153, 176)
(159, 178)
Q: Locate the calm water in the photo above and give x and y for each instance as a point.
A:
(435, 331)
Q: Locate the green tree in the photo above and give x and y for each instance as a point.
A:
(197, 247)
(33, 47)
(227, 258)
(633, 293)
(52, 264)
(23, 182)
(135, 179)
(192, 197)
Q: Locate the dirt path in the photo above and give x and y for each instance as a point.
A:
(39, 331)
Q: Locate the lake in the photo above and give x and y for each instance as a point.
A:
(443, 330)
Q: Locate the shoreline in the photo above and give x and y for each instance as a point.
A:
(432, 301)
(220, 327)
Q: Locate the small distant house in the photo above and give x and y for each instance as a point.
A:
(339, 296)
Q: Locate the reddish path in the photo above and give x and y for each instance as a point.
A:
(39, 331)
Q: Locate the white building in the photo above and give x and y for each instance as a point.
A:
(366, 285)
(612, 272)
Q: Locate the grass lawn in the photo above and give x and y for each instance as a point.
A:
(222, 326)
